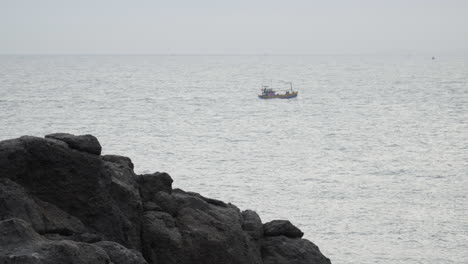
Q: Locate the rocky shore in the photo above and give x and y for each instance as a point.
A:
(61, 201)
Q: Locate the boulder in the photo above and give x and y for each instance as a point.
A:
(190, 200)
(252, 224)
(150, 184)
(123, 161)
(17, 233)
(212, 233)
(125, 193)
(282, 250)
(162, 240)
(208, 239)
(104, 198)
(88, 238)
(119, 254)
(281, 227)
(151, 206)
(85, 143)
(44, 217)
(19, 243)
(199, 232)
(166, 202)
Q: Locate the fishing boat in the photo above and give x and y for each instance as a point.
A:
(270, 93)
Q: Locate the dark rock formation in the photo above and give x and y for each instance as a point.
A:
(281, 250)
(252, 224)
(212, 233)
(102, 196)
(162, 240)
(119, 254)
(86, 143)
(150, 184)
(46, 218)
(281, 227)
(61, 202)
(19, 243)
(123, 161)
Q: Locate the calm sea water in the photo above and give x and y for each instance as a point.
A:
(370, 161)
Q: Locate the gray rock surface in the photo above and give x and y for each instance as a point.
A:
(61, 202)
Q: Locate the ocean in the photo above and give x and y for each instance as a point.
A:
(370, 160)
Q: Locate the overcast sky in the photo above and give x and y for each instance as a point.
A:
(232, 27)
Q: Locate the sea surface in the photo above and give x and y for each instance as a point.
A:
(370, 160)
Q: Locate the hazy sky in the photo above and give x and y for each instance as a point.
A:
(232, 27)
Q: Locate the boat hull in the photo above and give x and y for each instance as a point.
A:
(280, 96)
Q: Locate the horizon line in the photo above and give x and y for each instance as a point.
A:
(238, 54)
